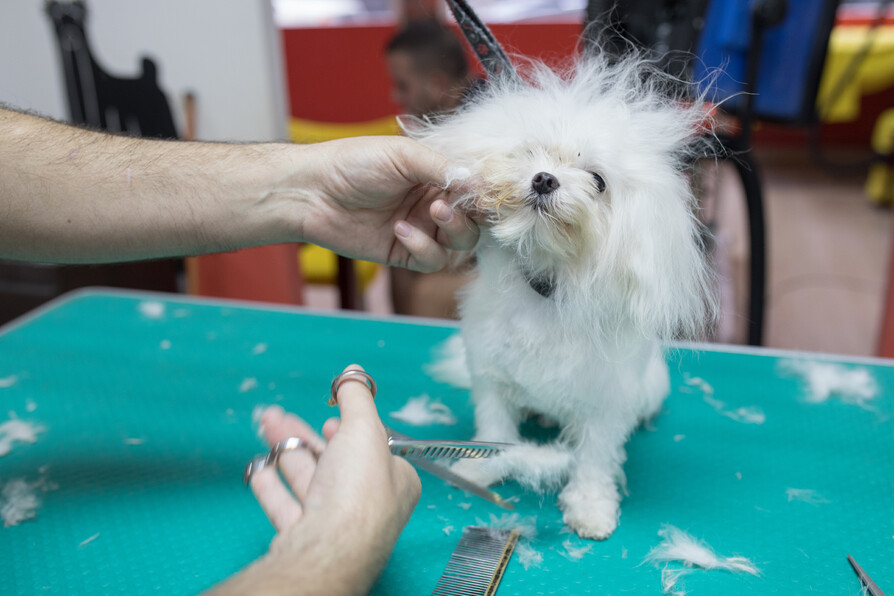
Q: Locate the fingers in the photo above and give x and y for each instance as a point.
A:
(297, 466)
(421, 164)
(330, 427)
(406, 476)
(278, 504)
(278, 425)
(455, 230)
(426, 255)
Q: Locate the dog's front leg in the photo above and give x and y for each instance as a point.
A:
(497, 420)
(591, 501)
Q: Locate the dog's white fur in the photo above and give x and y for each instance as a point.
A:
(627, 263)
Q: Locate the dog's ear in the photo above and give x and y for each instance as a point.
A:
(656, 243)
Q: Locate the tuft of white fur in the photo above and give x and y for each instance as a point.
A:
(152, 309)
(449, 363)
(537, 467)
(528, 556)
(526, 526)
(680, 546)
(456, 174)
(806, 495)
(15, 430)
(825, 380)
(575, 553)
(19, 499)
(626, 261)
(746, 414)
(669, 579)
(424, 411)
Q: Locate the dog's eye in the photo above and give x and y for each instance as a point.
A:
(600, 181)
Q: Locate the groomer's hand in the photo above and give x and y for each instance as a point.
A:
(381, 199)
(337, 518)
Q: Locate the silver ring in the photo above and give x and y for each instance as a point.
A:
(350, 375)
(291, 444)
(259, 462)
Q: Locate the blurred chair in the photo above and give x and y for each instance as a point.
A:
(138, 107)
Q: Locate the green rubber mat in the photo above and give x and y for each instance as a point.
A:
(147, 408)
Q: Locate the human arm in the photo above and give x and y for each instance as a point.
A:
(71, 195)
(352, 504)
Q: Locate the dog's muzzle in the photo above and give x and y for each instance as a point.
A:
(544, 183)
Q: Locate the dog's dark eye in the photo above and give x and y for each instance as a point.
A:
(600, 181)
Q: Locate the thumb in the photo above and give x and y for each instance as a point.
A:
(355, 400)
(422, 165)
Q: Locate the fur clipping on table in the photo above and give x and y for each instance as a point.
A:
(681, 547)
(15, 430)
(424, 411)
(825, 380)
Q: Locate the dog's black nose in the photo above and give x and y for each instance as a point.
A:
(544, 183)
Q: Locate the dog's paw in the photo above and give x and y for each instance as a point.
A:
(592, 514)
(479, 471)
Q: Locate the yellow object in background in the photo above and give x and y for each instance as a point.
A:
(319, 265)
(875, 73)
(310, 131)
(880, 182)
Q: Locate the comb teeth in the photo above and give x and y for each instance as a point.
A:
(478, 562)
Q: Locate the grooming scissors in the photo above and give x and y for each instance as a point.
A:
(871, 588)
(420, 453)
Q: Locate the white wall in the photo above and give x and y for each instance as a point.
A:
(226, 51)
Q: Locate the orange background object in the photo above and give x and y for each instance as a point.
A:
(264, 273)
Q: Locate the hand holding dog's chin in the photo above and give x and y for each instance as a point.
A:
(379, 199)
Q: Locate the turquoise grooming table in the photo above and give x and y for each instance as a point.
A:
(149, 424)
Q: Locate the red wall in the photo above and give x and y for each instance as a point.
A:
(339, 74)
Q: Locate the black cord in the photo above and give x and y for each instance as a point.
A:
(814, 141)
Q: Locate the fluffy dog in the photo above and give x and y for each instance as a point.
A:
(590, 255)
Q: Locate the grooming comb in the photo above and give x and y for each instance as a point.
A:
(477, 564)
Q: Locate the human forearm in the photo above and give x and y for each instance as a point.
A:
(72, 195)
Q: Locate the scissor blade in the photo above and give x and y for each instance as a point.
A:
(871, 586)
(459, 482)
(444, 449)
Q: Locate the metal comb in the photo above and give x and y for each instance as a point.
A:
(477, 564)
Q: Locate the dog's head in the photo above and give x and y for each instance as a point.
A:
(582, 176)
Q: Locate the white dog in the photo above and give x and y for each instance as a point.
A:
(591, 254)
